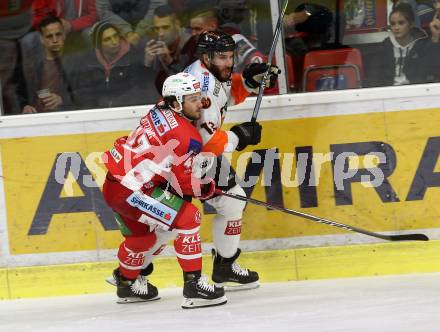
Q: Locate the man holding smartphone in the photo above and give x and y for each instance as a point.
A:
(163, 53)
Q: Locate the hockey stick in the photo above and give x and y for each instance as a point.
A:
(269, 60)
(403, 237)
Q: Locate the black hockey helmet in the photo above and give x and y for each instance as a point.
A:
(215, 41)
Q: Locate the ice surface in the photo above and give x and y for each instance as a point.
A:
(391, 303)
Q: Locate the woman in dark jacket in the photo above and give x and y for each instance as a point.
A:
(398, 60)
(111, 75)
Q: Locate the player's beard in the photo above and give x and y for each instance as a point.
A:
(222, 75)
(190, 117)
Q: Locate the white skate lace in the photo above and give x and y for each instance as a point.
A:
(236, 268)
(140, 286)
(203, 284)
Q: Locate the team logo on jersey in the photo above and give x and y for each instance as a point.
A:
(159, 122)
(152, 208)
(205, 81)
(116, 155)
(194, 146)
(171, 119)
(206, 102)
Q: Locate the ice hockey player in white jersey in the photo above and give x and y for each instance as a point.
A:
(220, 89)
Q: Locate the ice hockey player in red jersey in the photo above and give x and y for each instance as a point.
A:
(220, 89)
(150, 173)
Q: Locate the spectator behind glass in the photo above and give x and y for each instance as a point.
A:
(423, 11)
(47, 83)
(308, 27)
(15, 21)
(435, 23)
(199, 20)
(398, 59)
(111, 75)
(163, 53)
(232, 16)
(433, 52)
(206, 20)
(132, 17)
(202, 20)
(78, 16)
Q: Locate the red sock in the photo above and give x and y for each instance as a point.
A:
(131, 254)
(188, 247)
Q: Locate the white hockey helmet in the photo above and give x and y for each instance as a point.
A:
(180, 85)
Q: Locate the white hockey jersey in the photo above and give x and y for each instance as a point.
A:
(217, 96)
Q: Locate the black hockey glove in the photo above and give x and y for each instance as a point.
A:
(207, 189)
(253, 74)
(248, 133)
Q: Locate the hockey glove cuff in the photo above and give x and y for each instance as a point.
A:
(248, 133)
(207, 189)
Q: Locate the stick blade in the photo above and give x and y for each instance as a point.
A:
(409, 237)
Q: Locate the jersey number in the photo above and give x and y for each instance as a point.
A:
(137, 142)
(209, 127)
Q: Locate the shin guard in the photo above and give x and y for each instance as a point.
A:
(188, 249)
(132, 252)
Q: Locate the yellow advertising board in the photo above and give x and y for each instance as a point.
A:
(342, 155)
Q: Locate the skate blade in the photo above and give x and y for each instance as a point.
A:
(111, 281)
(236, 287)
(125, 300)
(194, 303)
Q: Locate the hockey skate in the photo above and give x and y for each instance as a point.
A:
(144, 273)
(197, 292)
(228, 273)
(138, 290)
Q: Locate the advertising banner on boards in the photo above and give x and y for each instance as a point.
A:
(383, 176)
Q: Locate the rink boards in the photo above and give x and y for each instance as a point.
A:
(335, 141)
